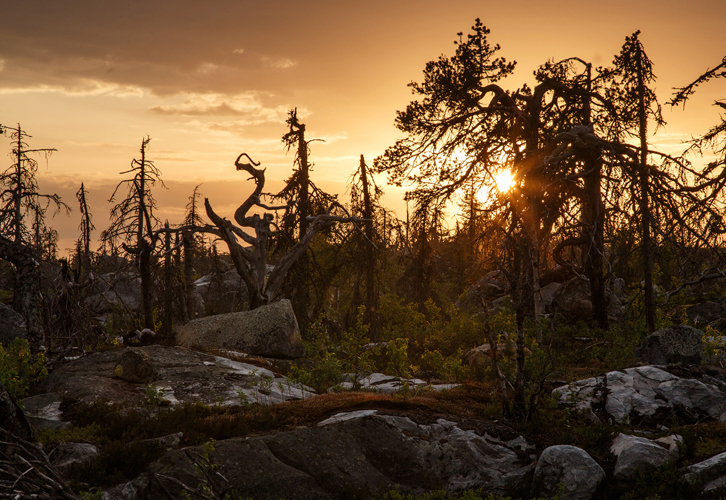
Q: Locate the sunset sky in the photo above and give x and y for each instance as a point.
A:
(209, 80)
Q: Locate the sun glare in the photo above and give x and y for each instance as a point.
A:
(504, 181)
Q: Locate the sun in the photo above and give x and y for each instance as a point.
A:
(504, 181)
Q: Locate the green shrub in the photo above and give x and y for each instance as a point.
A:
(18, 369)
(322, 368)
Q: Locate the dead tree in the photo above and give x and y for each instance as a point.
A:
(192, 243)
(133, 221)
(86, 226)
(19, 197)
(251, 261)
(303, 199)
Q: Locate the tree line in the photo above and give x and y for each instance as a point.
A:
(590, 197)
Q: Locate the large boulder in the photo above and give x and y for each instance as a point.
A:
(635, 455)
(270, 331)
(645, 393)
(570, 466)
(12, 325)
(675, 344)
(359, 455)
(709, 476)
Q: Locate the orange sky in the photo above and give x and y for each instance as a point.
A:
(208, 80)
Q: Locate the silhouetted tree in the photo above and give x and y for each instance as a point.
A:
(86, 227)
(20, 198)
(636, 103)
(303, 198)
(251, 261)
(193, 242)
(133, 222)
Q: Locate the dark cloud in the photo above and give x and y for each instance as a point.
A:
(166, 46)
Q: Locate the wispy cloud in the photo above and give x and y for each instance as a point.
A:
(172, 158)
(207, 68)
(279, 63)
(339, 136)
(81, 89)
(247, 106)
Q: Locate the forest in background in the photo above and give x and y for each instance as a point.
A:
(588, 197)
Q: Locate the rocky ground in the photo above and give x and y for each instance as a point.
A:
(135, 423)
(367, 452)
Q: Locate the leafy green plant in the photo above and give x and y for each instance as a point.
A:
(153, 395)
(397, 354)
(243, 399)
(357, 354)
(19, 370)
(713, 343)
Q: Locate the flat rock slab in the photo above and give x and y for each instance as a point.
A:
(388, 384)
(359, 454)
(646, 393)
(179, 375)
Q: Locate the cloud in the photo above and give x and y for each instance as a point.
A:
(80, 88)
(248, 106)
(90, 144)
(238, 51)
(279, 63)
(172, 158)
(340, 136)
(208, 67)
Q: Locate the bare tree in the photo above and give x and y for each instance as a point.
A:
(133, 222)
(192, 243)
(303, 199)
(20, 195)
(86, 227)
(18, 199)
(251, 261)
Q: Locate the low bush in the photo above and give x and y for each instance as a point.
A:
(19, 370)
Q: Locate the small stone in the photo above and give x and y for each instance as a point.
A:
(134, 366)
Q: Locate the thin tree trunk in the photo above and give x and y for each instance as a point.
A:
(593, 257)
(369, 252)
(19, 188)
(188, 244)
(594, 213)
(643, 201)
(168, 284)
